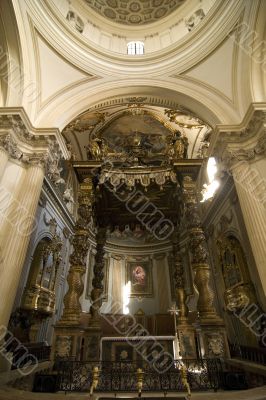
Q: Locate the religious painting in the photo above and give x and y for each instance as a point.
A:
(139, 273)
(91, 274)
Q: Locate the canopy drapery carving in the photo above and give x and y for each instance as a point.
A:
(131, 177)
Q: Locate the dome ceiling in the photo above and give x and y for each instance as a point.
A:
(134, 12)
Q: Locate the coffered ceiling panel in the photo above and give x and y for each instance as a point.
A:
(137, 12)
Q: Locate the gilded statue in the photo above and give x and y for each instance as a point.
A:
(96, 149)
(177, 145)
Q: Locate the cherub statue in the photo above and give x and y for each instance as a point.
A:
(68, 195)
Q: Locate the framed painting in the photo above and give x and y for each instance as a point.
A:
(91, 274)
(139, 273)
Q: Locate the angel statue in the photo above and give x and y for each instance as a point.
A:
(96, 149)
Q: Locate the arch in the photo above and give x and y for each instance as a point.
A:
(200, 100)
(11, 66)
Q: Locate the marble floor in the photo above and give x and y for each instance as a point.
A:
(7, 393)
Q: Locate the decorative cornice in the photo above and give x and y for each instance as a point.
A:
(15, 121)
(29, 146)
(242, 142)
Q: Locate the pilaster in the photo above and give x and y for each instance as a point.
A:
(242, 154)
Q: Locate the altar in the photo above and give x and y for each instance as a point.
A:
(139, 349)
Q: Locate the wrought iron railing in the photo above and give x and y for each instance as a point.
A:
(253, 354)
(30, 353)
(116, 377)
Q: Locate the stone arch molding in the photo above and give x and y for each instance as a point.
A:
(201, 101)
(125, 78)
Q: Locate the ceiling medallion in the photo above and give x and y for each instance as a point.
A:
(134, 7)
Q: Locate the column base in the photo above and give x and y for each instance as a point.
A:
(70, 319)
(68, 341)
(211, 318)
(92, 344)
(214, 339)
(186, 334)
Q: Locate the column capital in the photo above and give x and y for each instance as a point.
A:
(28, 145)
(243, 142)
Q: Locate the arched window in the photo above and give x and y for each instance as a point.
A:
(135, 48)
(210, 189)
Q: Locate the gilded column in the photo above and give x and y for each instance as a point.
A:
(97, 282)
(197, 242)
(72, 310)
(185, 330)
(213, 334)
(179, 282)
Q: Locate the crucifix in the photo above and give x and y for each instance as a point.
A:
(175, 312)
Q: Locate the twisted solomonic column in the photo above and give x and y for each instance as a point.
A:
(97, 282)
(198, 249)
(72, 310)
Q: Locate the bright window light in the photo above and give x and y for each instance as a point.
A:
(135, 48)
(210, 189)
(126, 297)
(211, 169)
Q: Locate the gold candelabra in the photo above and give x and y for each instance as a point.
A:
(140, 374)
(95, 380)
